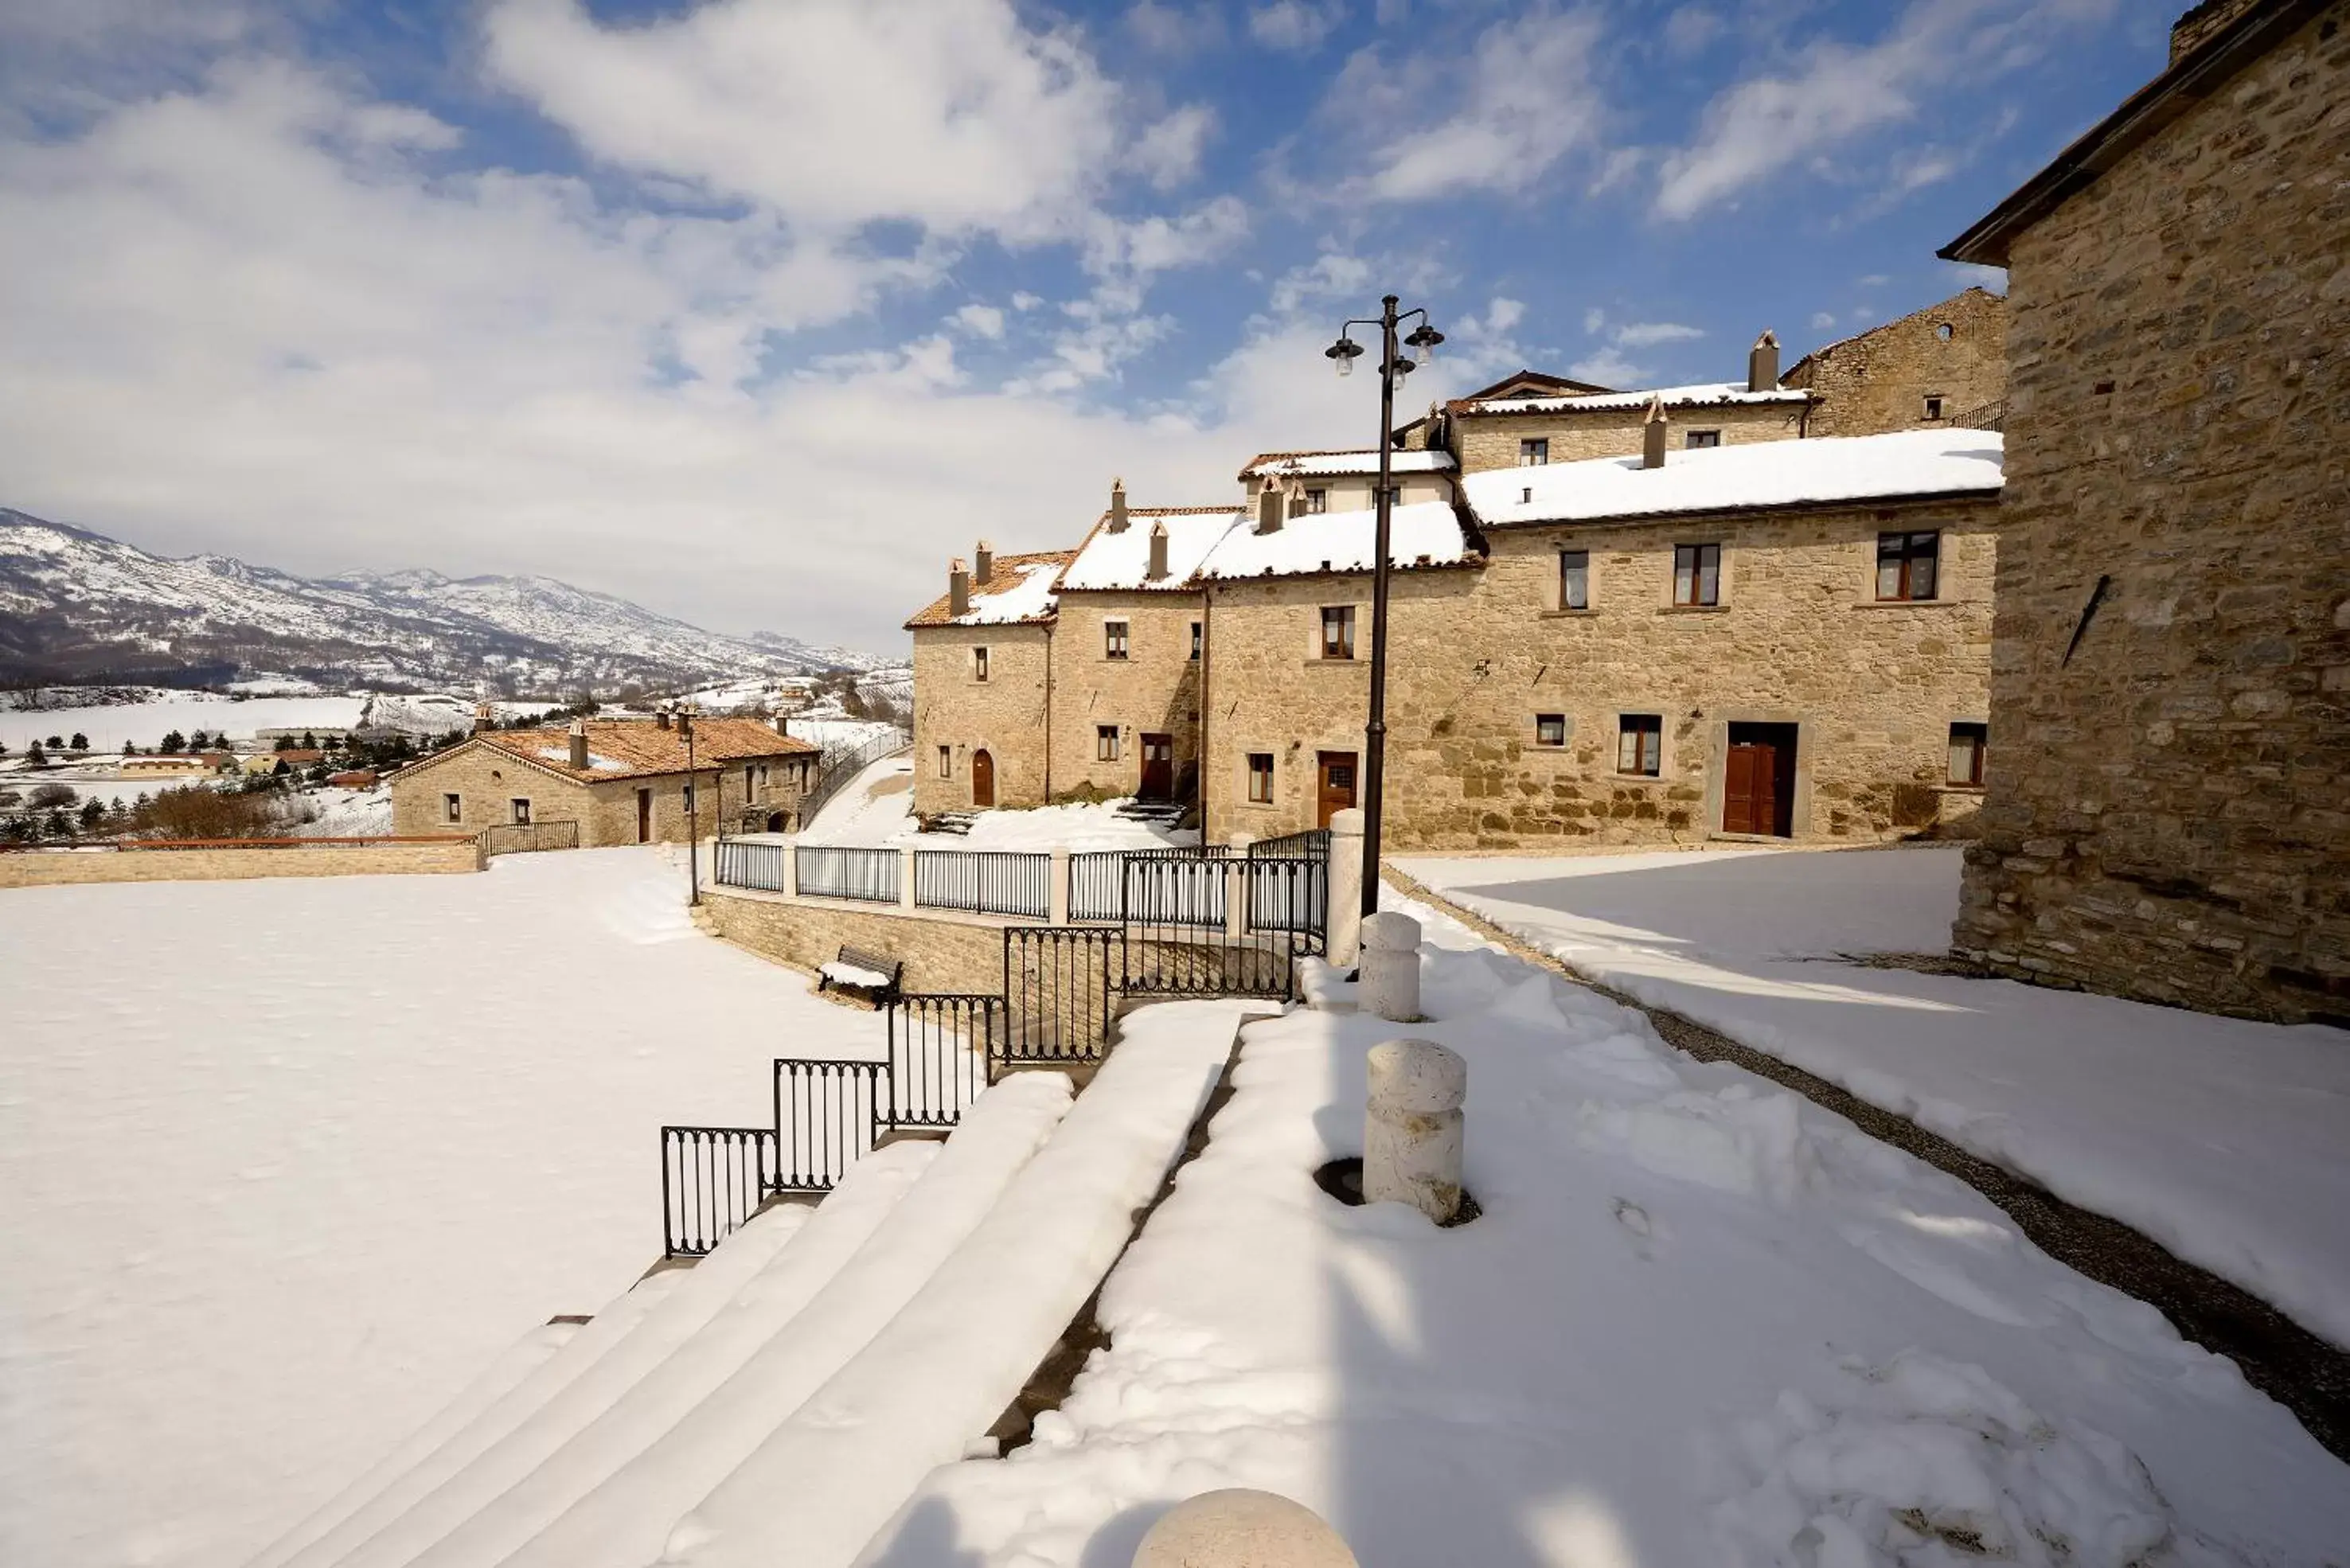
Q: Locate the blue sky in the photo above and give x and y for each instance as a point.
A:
(757, 310)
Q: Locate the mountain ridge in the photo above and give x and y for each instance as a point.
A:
(76, 604)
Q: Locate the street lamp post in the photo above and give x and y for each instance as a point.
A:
(685, 712)
(1394, 365)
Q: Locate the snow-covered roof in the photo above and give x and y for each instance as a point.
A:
(1019, 590)
(1755, 474)
(1108, 561)
(1425, 533)
(1706, 394)
(1283, 465)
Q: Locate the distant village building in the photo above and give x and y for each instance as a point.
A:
(983, 683)
(175, 765)
(1944, 365)
(2169, 814)
(622, 781)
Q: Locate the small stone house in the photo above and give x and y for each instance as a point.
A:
(1944, 365)
(2171, 816)
(983, 683)
(623, 781)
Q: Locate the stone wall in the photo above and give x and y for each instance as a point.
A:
(2192, 28)
(487, 783)
(1483, 441)
(1881, 379)
(52, 868)
(2169, 810)
(1003, 715)
(942, 952)
(1154, 689)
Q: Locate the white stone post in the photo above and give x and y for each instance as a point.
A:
(791, 888)
(1390, 972)
(1058, 896)
(1412, 1134)
(1345, 916)
(1241, 1527)
(906, 879)
(1236, 887)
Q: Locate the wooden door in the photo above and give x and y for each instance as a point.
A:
(1758, 780)
(983, 779)
(1334, 790)
(1157, 768)
(644, 816)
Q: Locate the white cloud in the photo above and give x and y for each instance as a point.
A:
(1298, 25)
(1167, 152)
(1174, 29)
(1834, 92)
(1646, 334)
(1594, 320)
(1690, 28)
(1332, 275)
(1157, 243)
(1822, 320)
(1504, 315)
(1023, 300)
(1498, 121)
(1607, 367)
(981, 320)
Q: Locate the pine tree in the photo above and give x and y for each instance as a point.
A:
(34, 757)
(173, 742)
(93, 811)
(80, 743)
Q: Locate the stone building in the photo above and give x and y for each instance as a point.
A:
(1318, 482)
(983, 684)
(623, 781)
(1946, 364)
(2170, 818)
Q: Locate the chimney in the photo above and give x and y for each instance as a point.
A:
(1652, 446)
(1268, 509)
(958, 588)
(983, 564)
(483, 718)
(579, 744)
(784, 724)
(1117, 505)
(1763, 364)
(1157, 552)
(685, 724)
(661, 717)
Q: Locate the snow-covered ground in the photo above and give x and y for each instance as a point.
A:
(285, 1164)
(344, 813)
(1700, 1321)
(144, 724)
(2227, 1141)
(877, 808)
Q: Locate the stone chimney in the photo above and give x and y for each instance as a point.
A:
(784, 724)
(1268, 508)
(579, 744)
(1763, 364)
(983, 564)
(958, 588)
(685, 724)
(1158, 571)
(2188, 33)
(483, 719)
(1652, 443)
(1118, 523)
(660, 718)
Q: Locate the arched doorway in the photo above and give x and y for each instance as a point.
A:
(778, 822)
(983, 779)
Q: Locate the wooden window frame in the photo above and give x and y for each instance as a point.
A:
(1260, 775)
(1935, 405)
(1340, 619)
(946, 762)
(1106, 747)
(979, 663)
(518, 811)
(1118, 639)
(1198, 640)
(1534, 451)
(1907, 552)
(1575, 580)
(1314, 503)
(1702, 440)
(1977, 736)
(1697, 575)
(1546, 724)
(1646, 731)
(452, 809)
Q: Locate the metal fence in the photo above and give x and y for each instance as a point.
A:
(750, 863)
(712, 1180)
(827, 1114)
(939, 1043)
(1314, 844)
(834, 769)
(521, 837)
(1171, 950)
(870, 874)
(1289, 894)
(997, 883)
(1060, 991)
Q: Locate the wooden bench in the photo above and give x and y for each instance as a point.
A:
(862, 973)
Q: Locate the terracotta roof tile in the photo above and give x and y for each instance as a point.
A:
(637, 748)
(1006, 575)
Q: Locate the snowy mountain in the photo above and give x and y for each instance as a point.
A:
(76, 605)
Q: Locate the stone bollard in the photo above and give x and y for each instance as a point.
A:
(1241, 1527)
(1390, 968)
(1412, 1134)
(1345, 887)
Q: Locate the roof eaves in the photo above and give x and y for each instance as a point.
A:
(1742, 509)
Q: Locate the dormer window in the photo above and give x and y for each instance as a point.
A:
(1703, 440)
(1314, 502)
(1534, 451)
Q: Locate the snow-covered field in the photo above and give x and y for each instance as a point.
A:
(284, 1165)
(143, 725)
(877, 808)
(1700, 1322)
(345, 812)
(2227, 1141)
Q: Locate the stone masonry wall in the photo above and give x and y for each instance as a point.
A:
(1155, 689)
(51, 869)
(1003, 715)
(487, 783)
(1880, 381)
(941, 952)
(2169, 810)
(1491, 440)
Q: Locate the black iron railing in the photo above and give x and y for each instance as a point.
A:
(1098, 885)
(1311, 845)
(1060, 991)
(521, 837)
(712, 1180)
(1289, 894)
(750, 863)
(997, 883)
(835, 768)
(940, 1046)
(1181, 889)
(825, 872)
(827, 1114)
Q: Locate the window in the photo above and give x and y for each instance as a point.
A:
(1113, 640)
(1906, 564)
(750, 780)
(1105, 742)
(1933, 407)
(1967, 743)
(455, 805)
(1199, 638)
(686, 797)
(1534, 451)
(1945, 332)
(521, 813)
(1641, 744)
(1574, 580)
(1550, 729)
(946, 762)
(979, 664)
(1699, 440)
(1697, 574)
(1315, 503)
(1260, 764)
(1338, 631)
